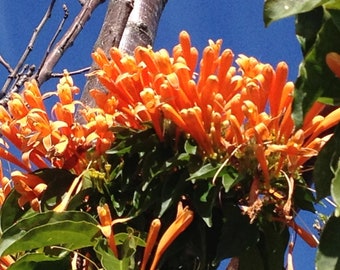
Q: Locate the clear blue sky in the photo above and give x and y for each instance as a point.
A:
(238, 23)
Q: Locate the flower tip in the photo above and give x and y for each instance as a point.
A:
(333, 62)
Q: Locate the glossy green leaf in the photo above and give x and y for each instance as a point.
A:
(328, 255)
(316, 79)
(71, 229)
(40, 261)
(325, 166)
(278, 9)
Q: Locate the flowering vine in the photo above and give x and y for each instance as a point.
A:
(236, 121)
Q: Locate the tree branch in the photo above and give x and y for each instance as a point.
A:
(138, 29)
(116, 17)
(142, 26)
(67, 40)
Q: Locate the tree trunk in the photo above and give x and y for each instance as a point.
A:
(142, 26)
(139, 29)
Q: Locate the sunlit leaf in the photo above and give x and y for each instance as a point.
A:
(71, 229)
(279, 9)
(328, 255)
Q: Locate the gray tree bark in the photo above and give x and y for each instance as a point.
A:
(139, 29)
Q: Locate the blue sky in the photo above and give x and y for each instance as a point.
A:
(238, 23)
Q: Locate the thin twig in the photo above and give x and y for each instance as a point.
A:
(67, 40)
(82, 2)
(60, 27)
(29, 48)
(26, 72)
(6, 64)
(74, 72)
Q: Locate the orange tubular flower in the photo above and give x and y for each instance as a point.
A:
(30, 187)
(244, 112)
(106, 226)
(183, 219)
(150, 241)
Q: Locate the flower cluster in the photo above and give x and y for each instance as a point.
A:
(242, 115)
(58, 139)
(236, 116)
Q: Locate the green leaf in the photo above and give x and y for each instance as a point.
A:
(105, 255)
(10, 211)
(208, 171)
(278, 9)
(40, 261)
(229, 179)
(335, 186)
(307, 26)
(273, 244)
(120, 238)
(108, 259)
(71, 229)
(335, 15)
(237, 235)
(205, 194)
(332, 4)
(304, 198)
(189, 148)
(325, 166)
(328, 255)
(316, 79)
(58, 182)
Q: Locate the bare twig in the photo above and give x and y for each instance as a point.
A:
(6, 64)
(74, 72)
(60, 27)
(25, 73)
(29, 48)
(67, 40)
(82, 2)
